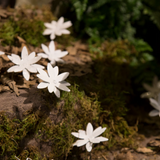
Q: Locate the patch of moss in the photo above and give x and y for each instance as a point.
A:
(74, 110)
(30, 30)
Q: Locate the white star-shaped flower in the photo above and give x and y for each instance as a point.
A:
(89, 136)
(52, 54)
(52, 80)
(25, 63)
(57, 28)
(156, 105)
(152, 90)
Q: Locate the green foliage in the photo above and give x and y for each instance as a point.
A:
(104, 19)
(152, 8)
(29, 30)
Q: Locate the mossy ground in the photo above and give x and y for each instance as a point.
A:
(102, 98)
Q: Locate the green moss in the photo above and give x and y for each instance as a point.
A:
(30, 30)
(74, 111)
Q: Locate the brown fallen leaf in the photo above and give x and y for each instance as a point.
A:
(10, 83)
(154, 143)
(124, 156)
(144, 150)
(21, 40)
(5, 57)
(4, 88)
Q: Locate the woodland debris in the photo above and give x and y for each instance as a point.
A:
(12, 84)
(144, 150)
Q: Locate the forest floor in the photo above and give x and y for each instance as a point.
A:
(18, 97)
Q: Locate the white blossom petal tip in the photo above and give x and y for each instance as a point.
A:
(89, 136)
(25, 64)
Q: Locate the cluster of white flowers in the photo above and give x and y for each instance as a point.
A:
(26, 65)
(154, 96)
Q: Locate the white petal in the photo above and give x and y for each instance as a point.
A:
(55, 71)
(15, 69)
(154, 103)
(57, 92)
(42, 85)
(48, 25)
(75, 134)
(52, 36)
(67, 24)
(79, 143)
(35, 59)
(89, 129)
(154, 113)
(65, 83)
(24, 53)
(60, 21)
(45, 49)
(100, 139)
(82, 134)
(51, 47)
(43, 75)
(60, 54)
(98, 131)
(62, 76)
(43, 55)
(62, 87)
(65, 31)
(32, 69)
(15, 58)
(89, 146)
(51, 87)
(51, 71)
(47, 31)
(26, 74)
(38, 66)
(31, 55)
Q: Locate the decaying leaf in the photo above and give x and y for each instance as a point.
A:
(12, 84)
(144, 150)
(4, 13)
(4, 88)
(26, 84)
(154, 143)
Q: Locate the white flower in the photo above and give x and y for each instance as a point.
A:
(57, 28)
(1, 53)
(152, 90)
(89, 136)
(52, 54)
(52, 80)
(156, 105)
(26, 64)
